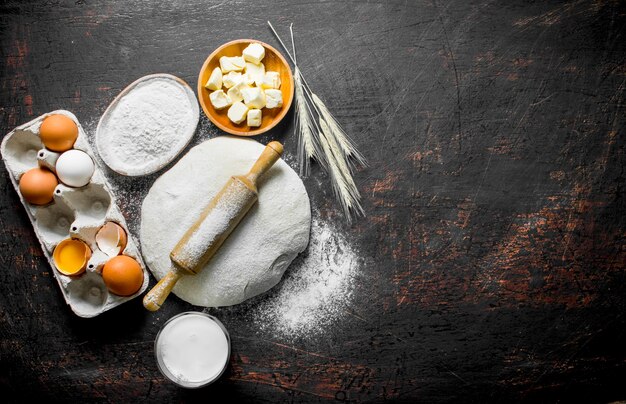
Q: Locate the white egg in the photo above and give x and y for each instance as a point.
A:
(75, 168)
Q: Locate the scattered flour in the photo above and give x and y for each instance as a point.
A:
(316, 291)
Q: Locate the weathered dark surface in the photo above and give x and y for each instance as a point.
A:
(494, 248)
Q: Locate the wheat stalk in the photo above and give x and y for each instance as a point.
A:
(325, 140)
(304, 127)
(337, 131)
(343, 184)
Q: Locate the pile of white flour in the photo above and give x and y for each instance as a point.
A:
(148, 125)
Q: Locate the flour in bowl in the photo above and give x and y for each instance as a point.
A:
(147, 125)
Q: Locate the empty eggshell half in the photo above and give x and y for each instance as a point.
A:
(111, 239)
(147, 125)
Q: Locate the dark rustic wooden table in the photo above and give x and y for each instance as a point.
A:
(493, 251)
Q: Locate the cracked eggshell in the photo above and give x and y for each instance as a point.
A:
(74, 213)
(111, 239)
(125, 136)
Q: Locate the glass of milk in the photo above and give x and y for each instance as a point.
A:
(192, 349)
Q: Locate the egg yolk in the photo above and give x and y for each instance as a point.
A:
(70, 257)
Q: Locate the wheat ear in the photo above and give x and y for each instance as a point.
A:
(304, 127)
(342, 138)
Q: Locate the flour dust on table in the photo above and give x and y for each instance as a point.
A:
(316, 292)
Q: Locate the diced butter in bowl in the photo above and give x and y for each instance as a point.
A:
(245, 87)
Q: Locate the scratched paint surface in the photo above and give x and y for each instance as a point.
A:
(494, 249)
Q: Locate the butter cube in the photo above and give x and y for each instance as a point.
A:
(235, 92)
(237, 112)
(246, 78)
(273, 98)
(232, 64)
(254, 97)
(255, 117)
(271, 80)
(215, 80)
(256, 72)
(219, 99)
(232, 79)
(255, 52)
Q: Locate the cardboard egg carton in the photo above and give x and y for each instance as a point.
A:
(74, 213)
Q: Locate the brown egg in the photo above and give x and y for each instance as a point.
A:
(122, 275)
(58, 133)
(37, 186)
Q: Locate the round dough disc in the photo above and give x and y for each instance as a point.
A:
(256, 254)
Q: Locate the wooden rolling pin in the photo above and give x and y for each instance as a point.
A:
(216, 222)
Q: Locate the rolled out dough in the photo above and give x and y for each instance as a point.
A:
(257, 253)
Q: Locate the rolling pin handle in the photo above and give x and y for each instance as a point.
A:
(154, 299)
(268, 157)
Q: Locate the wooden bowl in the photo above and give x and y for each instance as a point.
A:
(274, 61)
